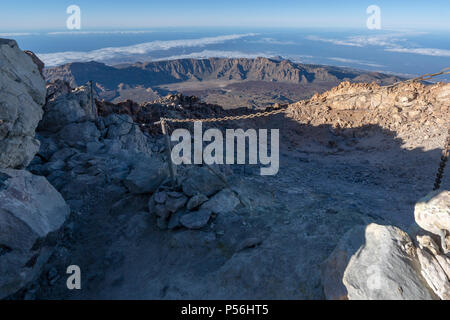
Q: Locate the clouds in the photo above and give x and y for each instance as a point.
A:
(58, 33)
(112, 54)
(391, 42)
(423, 51)
(216, 54)
(269, 40)
(16, 34)
(354, 61)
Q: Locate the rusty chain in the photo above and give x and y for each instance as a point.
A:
(444, 158)
(226, 118)
(426, 76)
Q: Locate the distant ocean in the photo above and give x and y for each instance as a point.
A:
(406, 53)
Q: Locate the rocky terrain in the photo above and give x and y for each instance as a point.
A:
(355, 164)
(232, 83)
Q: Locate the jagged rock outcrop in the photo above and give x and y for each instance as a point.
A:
(23, 94)
(82, 150)
(407, 108)
(30, 209)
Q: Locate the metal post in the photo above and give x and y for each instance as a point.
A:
(168, 151)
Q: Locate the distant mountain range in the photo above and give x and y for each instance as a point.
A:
(234, 82)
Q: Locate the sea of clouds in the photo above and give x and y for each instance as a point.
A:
(112, 54)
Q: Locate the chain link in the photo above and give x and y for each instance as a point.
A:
(426, 76)
(227, 118)
(444, 158)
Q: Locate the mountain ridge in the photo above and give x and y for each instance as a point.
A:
(112, 82)
(212, 68)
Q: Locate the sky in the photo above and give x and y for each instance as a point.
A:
(17, 15)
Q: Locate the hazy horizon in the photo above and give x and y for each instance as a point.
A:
(51, 14)
(412, 38)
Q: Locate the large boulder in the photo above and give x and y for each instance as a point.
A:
(30, 209)
(21, 99)
(385, 267)
(432, 213)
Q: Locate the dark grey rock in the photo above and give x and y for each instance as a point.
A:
(79, 134)
(161, 223)
(173, 204)
(201, 180)
(223, 201)
(196, 201)
(174, 221)
(160, 197)
(196, 220)
(146, 176)
(162, 211)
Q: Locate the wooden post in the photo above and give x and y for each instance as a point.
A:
(92, 96)
(168, 151)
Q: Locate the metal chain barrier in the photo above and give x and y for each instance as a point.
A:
(426, 76)
(226, 118)
(444, 158)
